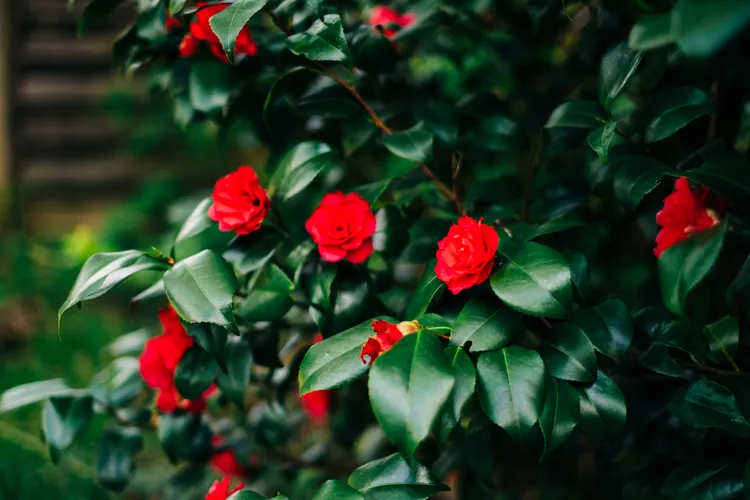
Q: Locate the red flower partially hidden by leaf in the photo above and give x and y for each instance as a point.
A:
(240, 202)
(225, 461)
(466, 255)
(316, 403)
(201, 31)
(386, 335)
(685, 213)
(342, 227)
(384, 16)
(172, 22)
(220, 490)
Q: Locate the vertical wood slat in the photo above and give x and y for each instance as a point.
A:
(10, 209)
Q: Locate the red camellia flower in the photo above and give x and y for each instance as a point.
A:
(386, 335)
(342, 227)
(172, 22)
(684, 214)
(316, 403)
(220, 490)
(384, 16)
(200, 31)
(225, 461)
(240, 203)
(465, 257)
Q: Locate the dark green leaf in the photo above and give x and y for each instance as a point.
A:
(228, 23)
(355, 133)
(442, 119)
(560, 414)
(414, 144)
(430, 288)
(487, 323)
(200, 289)
(323, 41)
(496, 133)
(391, 233)
(409, 385)
(465, 376)
(195, 373)
(33, 392)
(722, 480)
(527, 232)
(64, 418)
(657, 358)
(683, 266)
(373, 191)
(114, 456)
(300, 166)
(392, 478)
(618, 66)
(270, 296)
(608, 326)
(511, 389)
(247, 495)
(604, 138)
(95, 11)
(727, 173)
(578, 114)
(104, 271)
(210, 84)
(535, 280)
(723, 336)
(636, 177)
(253, 251)
(672, 109)
(184, 436)
(235, 380)
(197, 221)
(651, 32)
(336, 490)
(603, 410)
(568, 354)
(706, 404)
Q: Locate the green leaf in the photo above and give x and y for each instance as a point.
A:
(560, 414)
(300, 166)
(568, 354)
(604, 138)
(247, 495)
(104, 271)
(706, 404)
(577, 114)
(175, 6)
(373, 191)
(95, 11)
(705, 480)
(535, 280)
(184, 436)
(435, 323)
(270, 297)
(64, 418)
(251, 252)
(114, 457)
(487, 323)
(200, 289)
(636, 177)
(335, 361)
(195, 373)
(618, 66)
(336, 490)
(413, 144)
(155, 290)
(511, 389)
(391, 233)
(33, 392)
(727, 173)
(527, 232)
(409, 385)
(429, 289)
(210, 85)
(392, 478)
(323, 41)
(673, 109)
(496, 133)
(465, 376)
(441, 118)
(683, 266)
(228, 23)
(603, 410)
(197, 221)
(236, 379)
(723, 336)
(608, 325)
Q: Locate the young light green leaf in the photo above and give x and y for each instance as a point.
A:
(323, 41)
(228, 23)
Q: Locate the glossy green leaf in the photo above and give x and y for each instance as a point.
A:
(392, 478)
(200, 289)
(618, 66)
(705, 480)
(560, 413)
(300, 166)
(568, 354)
(409, 385)
(210, 85)
(114, 457)
(195, 373)
(323, 41)
(228, 23)
(336, 490)
(636, 177)
(465, 376)
(511, 389)
(373, 191)
(604, 138)
(577, 114)
(435, 324)
(673, 109)
(723, 336)
(270, 297)
(175, 6)
(535, 280)
(336, 361)
(487, 323)
(651, 32)
(608, 325)
(658, 359)
(429, 289)
(706, 404)
(391, 233)
(355, 133)
(104, 271)
(94, 12)
(64, 418)
(528, 232)
(197, 221)
(414, 144)
(683, 266)
(253, 251)
(33, 392)
(236, 379)
(603, 410)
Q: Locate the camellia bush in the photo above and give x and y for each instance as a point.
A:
(498, 249)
